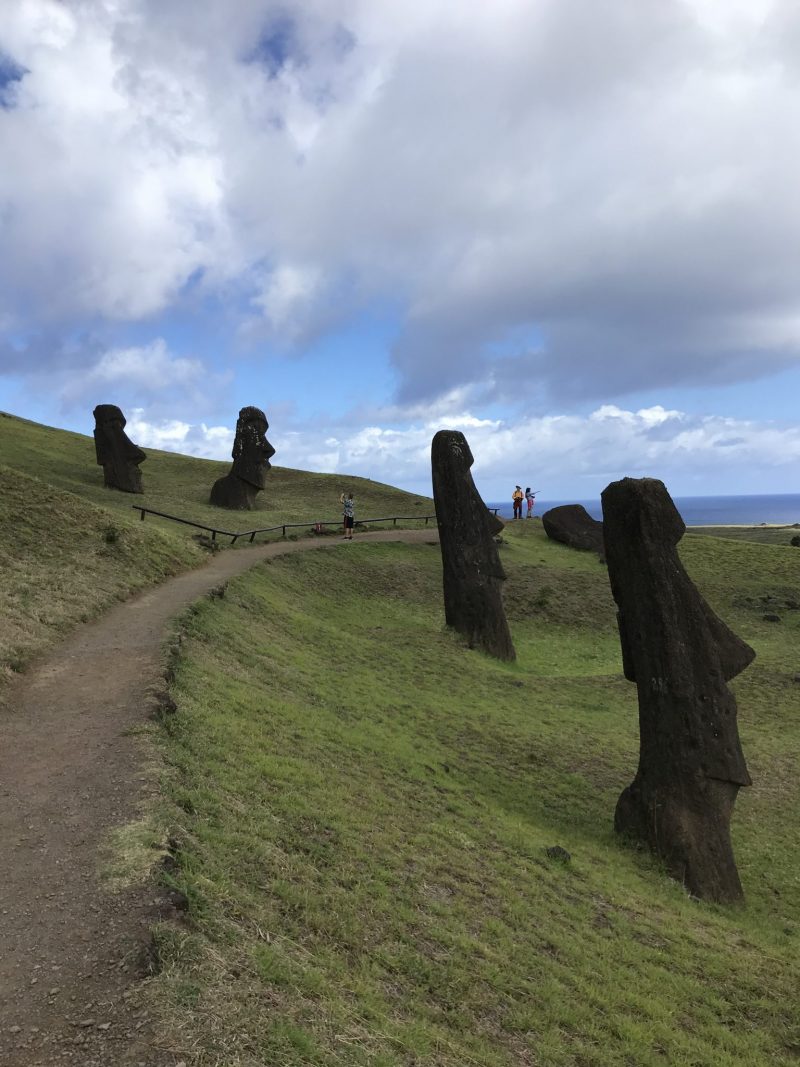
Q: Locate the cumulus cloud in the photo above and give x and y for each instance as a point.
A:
(147, 370)
(84, 372)
(561, 455)
(576, 199)
(172, 435)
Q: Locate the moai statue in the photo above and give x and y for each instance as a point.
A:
(473, 574)
(251, 461)
(680, 654)
(116, 453)
(571, 524)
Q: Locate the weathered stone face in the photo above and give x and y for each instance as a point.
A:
(472, 572)
(116, 453)
(680, 654)
(251, 449)
(251, 461)
(571, 524)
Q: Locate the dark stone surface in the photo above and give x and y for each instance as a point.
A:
(116, 453)
(680, 654)
(472, 573)
(556, 852)
(572, 525)
(772, 618)
(251, 453)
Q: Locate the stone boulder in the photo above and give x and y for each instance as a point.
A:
(571, 524)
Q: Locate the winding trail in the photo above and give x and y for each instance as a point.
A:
(71, 771)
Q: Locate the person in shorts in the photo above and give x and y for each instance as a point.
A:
(348, 515)
(530, 497)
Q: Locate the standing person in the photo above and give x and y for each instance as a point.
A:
(530, 497)
(516, 500)
(349, 514)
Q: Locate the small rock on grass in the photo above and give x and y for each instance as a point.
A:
(556, 852)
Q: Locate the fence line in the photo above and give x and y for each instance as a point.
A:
(282, 526)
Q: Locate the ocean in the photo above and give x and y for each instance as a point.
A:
(783, 509)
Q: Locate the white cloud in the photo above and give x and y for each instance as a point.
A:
(144, 373)
(172, 435)
(562, 455)
(149, 376)
(600, 175)
(287, 294)
(148, 367)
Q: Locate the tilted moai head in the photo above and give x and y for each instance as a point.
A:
(571, 524)
(680, 654)
(472, 572)
(116, 453)
(251, 449)
(251, 460)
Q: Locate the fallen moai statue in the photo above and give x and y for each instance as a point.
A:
(251, 460)
(680, 654)
(472, 573)
(116, 453)
(571, 524)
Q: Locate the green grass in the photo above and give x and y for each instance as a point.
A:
(180, 485)
(763, 535)
(64, 560)
(69, 547)
(364, 805)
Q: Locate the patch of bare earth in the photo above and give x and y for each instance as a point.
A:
(71, 770)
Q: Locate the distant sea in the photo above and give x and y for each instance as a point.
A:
(783, 509)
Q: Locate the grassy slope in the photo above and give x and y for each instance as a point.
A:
(69, 546)
(363, 849)
(64, 559)
(765, 535)
(180, 485)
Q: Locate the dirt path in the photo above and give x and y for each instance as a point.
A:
(71, 770)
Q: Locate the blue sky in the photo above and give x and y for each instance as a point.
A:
(569, 230)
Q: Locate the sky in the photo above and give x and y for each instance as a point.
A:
(568, 228)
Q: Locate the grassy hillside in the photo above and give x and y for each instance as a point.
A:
(765, 535)
(363, 850)
(64, 559)
(69, 546)
(180, 485)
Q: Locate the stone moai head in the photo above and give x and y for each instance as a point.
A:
(251, 453)
(456, 498)
(471, 569)
(680, 654)
(116, 453)
(251, 449)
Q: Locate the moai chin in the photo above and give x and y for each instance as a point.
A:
(680, 654)
(251, 461)
(116, 453)
(472, 573)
